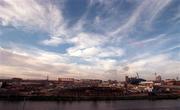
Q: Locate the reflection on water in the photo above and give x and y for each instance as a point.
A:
(92, 105)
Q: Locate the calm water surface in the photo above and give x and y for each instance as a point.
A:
(92, 105)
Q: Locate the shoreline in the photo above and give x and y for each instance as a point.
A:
(87, 98)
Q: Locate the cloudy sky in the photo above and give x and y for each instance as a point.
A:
(102, 39)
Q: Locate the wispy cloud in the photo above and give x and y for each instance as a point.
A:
(145, 12)
(106, 40)
(33, 15)
(150, 40)
(176, 18)
(172, 48)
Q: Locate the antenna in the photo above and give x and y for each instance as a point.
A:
(177, 78)
(155, 74)
(137, 74)
(47, 78)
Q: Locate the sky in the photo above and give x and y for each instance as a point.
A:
(98, 39)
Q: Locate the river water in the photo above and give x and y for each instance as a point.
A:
(92, 105)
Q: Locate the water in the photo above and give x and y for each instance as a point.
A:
(92, 105)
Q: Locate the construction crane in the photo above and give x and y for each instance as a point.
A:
(135, 80)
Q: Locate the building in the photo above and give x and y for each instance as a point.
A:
(170, 82)
(1, 84)
(16, 81)
(158, 78)
(66, 80)
(91, 82)
(147, 83)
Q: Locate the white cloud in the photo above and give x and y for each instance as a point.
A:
(34, 15)
(84, 40)
(85, 52)
(36, 55)
(29, 62)
(54, 41)
(32, 62)
(92, 45)
(105, 64)
(111, 52)
(96, 52)
(85, 45)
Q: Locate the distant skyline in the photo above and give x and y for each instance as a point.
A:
(99, 39)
